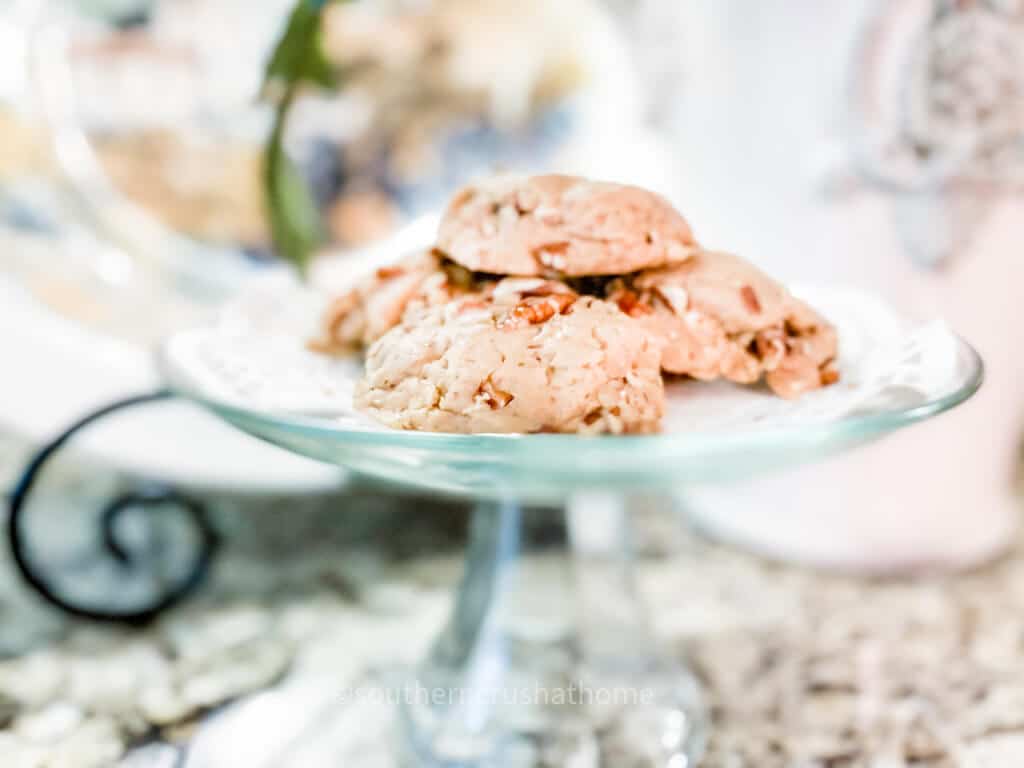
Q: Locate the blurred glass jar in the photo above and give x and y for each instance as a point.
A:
(153, 111)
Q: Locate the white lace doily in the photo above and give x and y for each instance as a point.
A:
(256, 358)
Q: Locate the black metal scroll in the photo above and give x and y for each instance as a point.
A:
(150, 497)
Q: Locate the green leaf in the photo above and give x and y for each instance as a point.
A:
(299, 54)
(297, 60)
(294, 217)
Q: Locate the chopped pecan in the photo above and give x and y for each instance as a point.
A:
(750, 300)
(387, 273)
(461, 198)
(494, 397)
(559, 247)
(563, 301)
(829, 374)
(535, 310)
(631, 304)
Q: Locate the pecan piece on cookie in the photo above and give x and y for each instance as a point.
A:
(534, 310)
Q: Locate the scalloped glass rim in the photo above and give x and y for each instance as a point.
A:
(555, 465)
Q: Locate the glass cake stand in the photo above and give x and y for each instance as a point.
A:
(548, 652)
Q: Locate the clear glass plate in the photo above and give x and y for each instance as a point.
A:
(547, 465)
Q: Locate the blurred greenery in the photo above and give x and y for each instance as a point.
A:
(298, 61)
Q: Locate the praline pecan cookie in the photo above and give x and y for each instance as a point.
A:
(377, 303)
(562, 226)
(522, 359)
(720, 316)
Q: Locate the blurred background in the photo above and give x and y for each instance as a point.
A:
(865, 142)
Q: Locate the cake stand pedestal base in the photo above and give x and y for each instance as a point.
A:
(548, 657)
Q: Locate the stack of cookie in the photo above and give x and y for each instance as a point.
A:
(555, 304)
